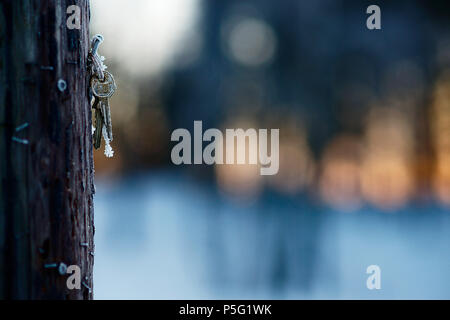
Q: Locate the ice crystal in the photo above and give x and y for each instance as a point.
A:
(109, 152)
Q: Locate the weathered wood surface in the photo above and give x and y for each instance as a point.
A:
(46, 186)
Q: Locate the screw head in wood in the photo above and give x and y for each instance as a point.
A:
(62, 268)
(62, 85)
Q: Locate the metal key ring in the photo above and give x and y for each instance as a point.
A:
(97, 84)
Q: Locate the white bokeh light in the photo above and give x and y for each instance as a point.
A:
(143, 36)
(251, 42)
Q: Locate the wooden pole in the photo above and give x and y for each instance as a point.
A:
(46, 162)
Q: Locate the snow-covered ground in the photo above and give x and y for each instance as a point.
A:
(166, 236)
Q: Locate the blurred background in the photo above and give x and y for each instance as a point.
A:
(364, 176)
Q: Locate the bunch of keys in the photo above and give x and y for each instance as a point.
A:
(102, 87)
(102, 91)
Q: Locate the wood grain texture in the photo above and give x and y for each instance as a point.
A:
(46, 186)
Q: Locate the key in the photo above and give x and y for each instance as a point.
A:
(102, 91)
(106, 116)
(98, 124)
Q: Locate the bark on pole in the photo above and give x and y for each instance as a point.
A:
(46, 162)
